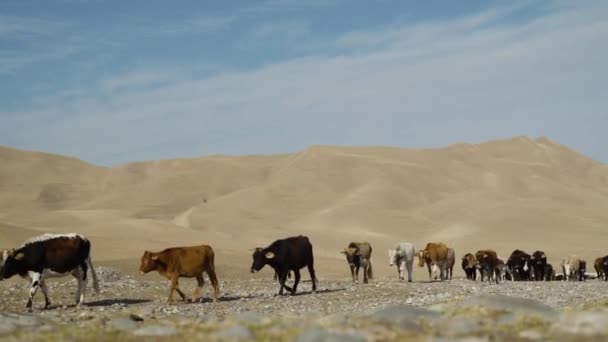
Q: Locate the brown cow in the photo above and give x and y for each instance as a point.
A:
(598, 268)
(469, 266)
(488, 264)
(435, 255)
(186, 262)
(358, 255)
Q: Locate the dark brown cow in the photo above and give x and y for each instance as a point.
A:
(50, 256)
(358, 255)
(469, 266)
(182, 262)
(488, 264)
(604, 267)
(598, 268)
(435, 255)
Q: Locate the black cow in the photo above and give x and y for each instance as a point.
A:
(290, 254)
(582, 269)
(487, 262)
(538, 261)
(604, 267)
(519, 265)
(50, 255)
(549, 272)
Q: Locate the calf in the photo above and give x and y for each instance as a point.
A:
(538, 262)
(284, 255)
(182, 262)
(358, 255)
(488, 264)
(403, 257)
(451, 260)
(519, 265)
(47, 256)
(434, 255)
(570, 267)
(469, 265)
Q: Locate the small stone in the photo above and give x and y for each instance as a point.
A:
(513, 304)
(236, 333)
(136, 318)
(155, 330)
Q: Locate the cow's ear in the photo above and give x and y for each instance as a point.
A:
(19, 256)
(269, 255)
(343, 251)
(154, 257)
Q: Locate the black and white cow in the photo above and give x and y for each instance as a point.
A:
(49, 256)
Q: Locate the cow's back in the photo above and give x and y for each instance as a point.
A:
(59, 254)
(437, 251)
(405, 249)
(365, 248)
(295, 252)
(188, 261)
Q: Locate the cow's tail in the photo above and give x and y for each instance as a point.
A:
(93, 275)
(370, 272)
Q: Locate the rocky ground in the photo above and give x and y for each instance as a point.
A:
(384, 310)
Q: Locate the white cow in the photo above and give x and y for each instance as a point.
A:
(402, 256)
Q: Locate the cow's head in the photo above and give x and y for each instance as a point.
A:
(261, 257)
(352, 254)
(469, 261)
(149, 262)
(423, 255)
(11, 264)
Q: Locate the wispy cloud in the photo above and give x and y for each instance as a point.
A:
(12, 26)
(418, 85)
(198, 24)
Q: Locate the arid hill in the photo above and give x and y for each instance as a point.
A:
(506, 194)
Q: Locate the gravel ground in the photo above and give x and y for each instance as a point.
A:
(383, 310)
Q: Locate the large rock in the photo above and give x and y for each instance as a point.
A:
(512, 304)
(320, 335)
(583, 323)
(403, 314)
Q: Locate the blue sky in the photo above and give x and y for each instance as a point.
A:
(118, 81)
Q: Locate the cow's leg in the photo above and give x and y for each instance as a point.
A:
(296, 274)
(45, 292)
(428, 265)
(82, 283)
(352, 272)
(313, 277)
(173, 287)
(282, 279)
(200, 282)
(214, 283)
(36, 277)
(365, 265)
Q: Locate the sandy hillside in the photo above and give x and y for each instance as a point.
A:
(507, 194)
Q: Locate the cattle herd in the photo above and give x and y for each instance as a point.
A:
(57, 255)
